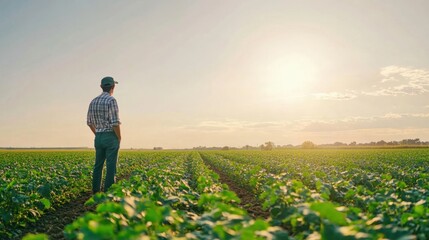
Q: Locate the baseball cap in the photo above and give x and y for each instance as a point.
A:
(108, 82)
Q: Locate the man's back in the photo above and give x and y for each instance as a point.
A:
(103, 113)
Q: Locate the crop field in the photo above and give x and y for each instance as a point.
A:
(279, 194)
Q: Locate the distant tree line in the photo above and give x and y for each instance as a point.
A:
(404, 142)
(214, 148)
(267, 146)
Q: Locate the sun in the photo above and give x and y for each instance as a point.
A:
(294, 74)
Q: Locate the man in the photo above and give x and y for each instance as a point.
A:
(103, 120)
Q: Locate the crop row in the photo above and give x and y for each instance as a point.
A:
(172, 196)
(33, 183)
(350, 181)
(319, 198)
(410, 165)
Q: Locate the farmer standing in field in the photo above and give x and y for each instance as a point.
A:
(103, 119)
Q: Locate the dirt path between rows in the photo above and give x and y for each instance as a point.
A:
(53, 222)
(249, 201)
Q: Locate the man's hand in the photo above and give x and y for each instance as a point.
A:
(92, 128)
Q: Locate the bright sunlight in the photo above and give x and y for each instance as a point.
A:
(293, 74)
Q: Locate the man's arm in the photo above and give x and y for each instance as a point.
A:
(92, 127)
(89, 119)
(114, 117)
(117, 130)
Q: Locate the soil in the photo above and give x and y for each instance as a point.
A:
(53, 222)
(249, 200)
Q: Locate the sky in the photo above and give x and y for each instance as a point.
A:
(215, 73)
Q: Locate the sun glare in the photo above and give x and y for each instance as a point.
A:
(293, 75)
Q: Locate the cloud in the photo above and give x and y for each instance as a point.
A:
(401, 81)
(390, 120)
(336, 96)
(410, 89)
(392, 116)
(396, 81)
(230, 125)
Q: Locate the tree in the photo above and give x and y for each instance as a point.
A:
(268, 146)
(340, 144)
(308, 145)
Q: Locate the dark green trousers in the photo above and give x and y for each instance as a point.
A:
(106, 149)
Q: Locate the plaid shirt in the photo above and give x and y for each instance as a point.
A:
(103, 113)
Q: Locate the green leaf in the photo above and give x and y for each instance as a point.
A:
(259, 225)
(110, 207)
(386, 176)
(44, 190)
(402, 185)
(327, 210)
(32, 236)
(350, 194)
(297, 184)
(10, 185)
(46, 203)
(229, 196)
(406, 217)
(220, 231)
(103, 229)
(90, 202)
(319, 185)
(153, 215)
(419, 210)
